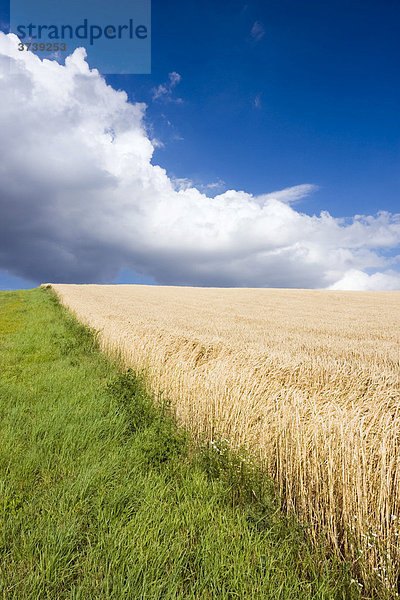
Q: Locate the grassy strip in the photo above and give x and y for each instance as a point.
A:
(103, 497)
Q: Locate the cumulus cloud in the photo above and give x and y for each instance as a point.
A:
(80, 200)
(164, 91)
(358, 280)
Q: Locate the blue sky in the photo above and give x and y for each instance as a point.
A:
(271, 95)
(327, 78)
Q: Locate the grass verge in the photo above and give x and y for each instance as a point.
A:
(103, 497)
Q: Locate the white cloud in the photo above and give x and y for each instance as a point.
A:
(257, 31)
(257, 101)
(289, 195)
(214, 185)
(358, 280)
(164, 91)
(80, 200)
(181, 183)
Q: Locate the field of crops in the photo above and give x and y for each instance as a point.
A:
(308, 380)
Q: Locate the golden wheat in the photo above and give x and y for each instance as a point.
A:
(307, 379)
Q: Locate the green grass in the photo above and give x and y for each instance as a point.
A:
(102, 496)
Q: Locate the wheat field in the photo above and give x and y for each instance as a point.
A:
(308, 380)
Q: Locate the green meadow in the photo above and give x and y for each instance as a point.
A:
(102, 496)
